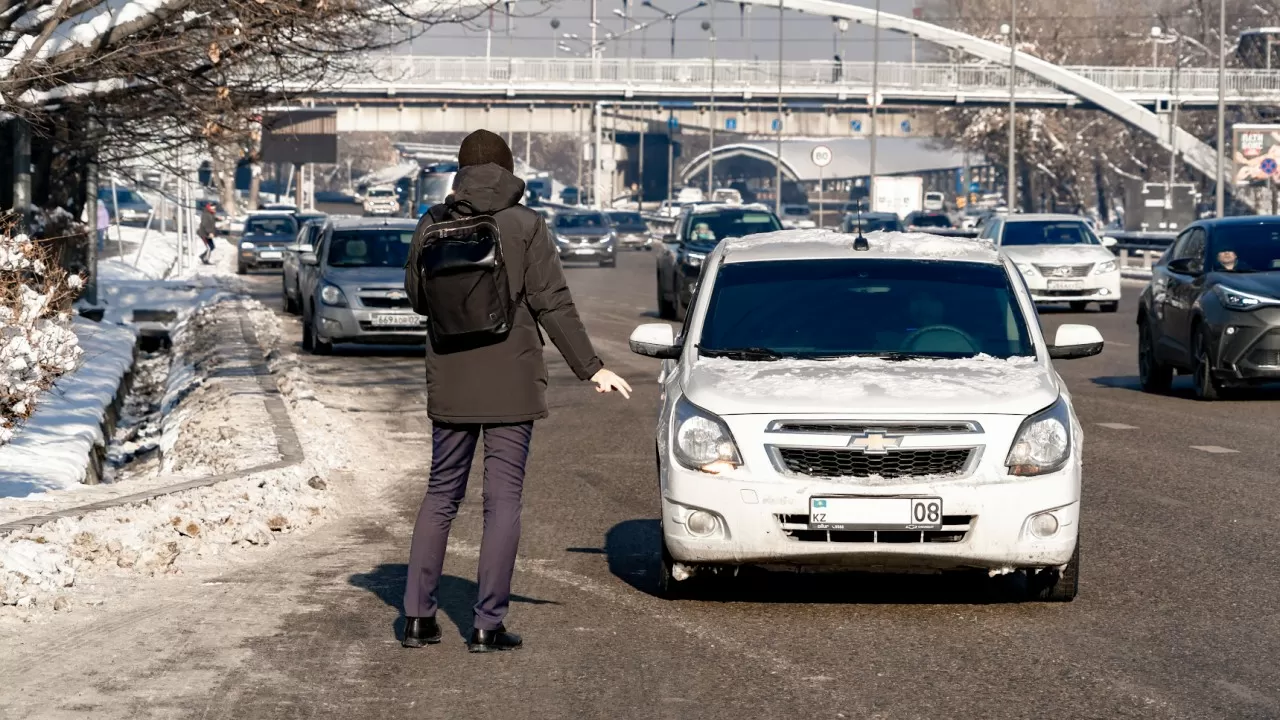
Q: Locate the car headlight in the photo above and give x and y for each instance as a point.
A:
(332, 295)
(247, 246)
(562, 240)
(695, 259)
(1026, 269)
(1105, 266)
(1237, 300)
(1043, 442)
(702, 441)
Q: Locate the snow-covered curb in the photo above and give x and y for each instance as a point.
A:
(61, 445)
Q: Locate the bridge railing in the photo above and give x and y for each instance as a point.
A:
(696, 73)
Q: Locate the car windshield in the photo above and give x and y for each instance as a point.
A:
(731, 224)
(384, 247)
(123, 195)
(885, 308)
(1246, 248)
(581, 221)
(270, 226)
(382, 193)
(872, 223)
(626, 218)
(798, 210)
(1048, 232)
(435, 187)
(936, 221)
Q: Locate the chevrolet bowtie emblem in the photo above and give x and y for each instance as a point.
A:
(875, 443)
(396, 295)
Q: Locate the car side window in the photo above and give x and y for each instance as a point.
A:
(1181, 245)
(688, 313)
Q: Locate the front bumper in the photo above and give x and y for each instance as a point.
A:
(635, 241)
(587, 252)
(1093, 288)
(381, 209)
(368, 326)
(134, 216)
(262, 257)
(1248, 344)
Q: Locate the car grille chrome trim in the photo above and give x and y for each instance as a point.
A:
(955, 528)
(892, 464)
(855, 427)
(1072, 271)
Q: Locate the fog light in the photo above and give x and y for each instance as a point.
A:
(1104, 291)
(330, 325)
(704, 523)
(1231, 330)
(1044, 525)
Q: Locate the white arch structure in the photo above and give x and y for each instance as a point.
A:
(697, 167)
(1194, 152)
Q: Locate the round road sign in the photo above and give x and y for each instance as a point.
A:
(821, 156)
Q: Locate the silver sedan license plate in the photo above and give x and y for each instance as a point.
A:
(875, 513)
(1066, 284)
(395, 320)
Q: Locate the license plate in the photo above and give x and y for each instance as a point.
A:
(584, 251)
(846, 513)
(1065, 284)
(271, 255)
(396, 320)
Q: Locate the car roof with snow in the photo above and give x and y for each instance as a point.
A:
(713, 207)
(822, 244)
(271, 213)
(1043, 217)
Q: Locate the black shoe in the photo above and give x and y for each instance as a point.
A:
(420, 631)
(493, 640)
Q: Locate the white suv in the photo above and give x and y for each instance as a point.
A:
(1061, 259)
(878, 404)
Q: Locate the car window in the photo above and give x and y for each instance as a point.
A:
(370, 248)
(581, 220)
(270, 226)
(721, 224)
(624, 218)
(1048, 232)
(991, 230)
(872, 307)
(1245, 248)
(1191, 245)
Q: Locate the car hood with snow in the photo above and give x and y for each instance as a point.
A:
(1057, 254)
(981, 385)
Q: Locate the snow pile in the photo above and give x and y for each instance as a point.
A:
(36, 342)
(908, 245)
(42, 566)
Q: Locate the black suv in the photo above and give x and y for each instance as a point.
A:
(1212, 308)
(698, 230)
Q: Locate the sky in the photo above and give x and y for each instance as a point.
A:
(739, 35)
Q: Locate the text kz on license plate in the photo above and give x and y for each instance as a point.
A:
(271, 255)
(396, 320)
(878, 513)
(1065, 284)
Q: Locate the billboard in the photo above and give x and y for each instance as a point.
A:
(300, 136)
(1256, 154)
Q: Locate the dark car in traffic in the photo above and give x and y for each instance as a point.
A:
(632, 230)
(585, 235)
(132, 208)
(1212, 308)
(870, 221)
(925, 221)
(266, 235)
(699, 228)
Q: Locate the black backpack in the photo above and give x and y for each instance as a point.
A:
(457, 278)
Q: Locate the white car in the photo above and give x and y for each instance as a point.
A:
(381, 201)
(1061, 259)
(893, 407)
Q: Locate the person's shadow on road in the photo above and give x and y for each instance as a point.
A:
(456, 596)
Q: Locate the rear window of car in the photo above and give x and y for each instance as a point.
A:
(384, 247)
(735, 223)
(626, 218)
(837, 307)
(270, 226)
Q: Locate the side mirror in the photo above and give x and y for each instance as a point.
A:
(1075, 341)
(309, 258)
(1109, 242)
(1186, 266)
(655, 340)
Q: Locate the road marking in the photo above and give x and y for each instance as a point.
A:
(1117, 426)
(1113, 343)
(1213, 449)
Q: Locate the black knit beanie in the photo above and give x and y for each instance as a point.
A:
(482, 147)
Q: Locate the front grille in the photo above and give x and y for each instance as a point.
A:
(385, 302)
(821, 462)
(1075, 271)
(1076, 292)
(1264, 358)
(955, 528)
(857, 428)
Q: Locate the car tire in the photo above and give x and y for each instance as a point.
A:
(1056, 584)
(1207, 387)
(290, 304)
(241, 269)
(1153, 375)
(1078, 305)
(310, 342)
(666, 310)
(1110, 307)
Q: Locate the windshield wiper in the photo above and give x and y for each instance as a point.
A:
(745, 353)
(894, 356)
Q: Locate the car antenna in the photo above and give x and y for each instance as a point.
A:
(860, 242)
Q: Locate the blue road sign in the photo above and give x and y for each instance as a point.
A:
(776, 124)
(731, 124)
(672, 123)
(855, 125)
(975, 187)
(905, 125)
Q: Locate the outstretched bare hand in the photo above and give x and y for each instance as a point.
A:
(607, 381)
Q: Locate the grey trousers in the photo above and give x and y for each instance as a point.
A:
(506, 449)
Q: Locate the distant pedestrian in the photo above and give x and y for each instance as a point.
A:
(207, 230)
(491, 380)
(104, 222)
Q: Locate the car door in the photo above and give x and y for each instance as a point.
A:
(1180, 293)
(308, 275)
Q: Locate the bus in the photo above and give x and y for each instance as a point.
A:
(435, 182)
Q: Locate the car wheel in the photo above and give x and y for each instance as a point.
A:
(310, 342)
(240, 269)
(666, 310)
(1109, 307)
(1078, 305)
(1056, 584)
(1153, 376)
(1207, 386)
(290, 304)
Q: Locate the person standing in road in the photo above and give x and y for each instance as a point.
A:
(497, 390)
(104, 222)
(207, 230)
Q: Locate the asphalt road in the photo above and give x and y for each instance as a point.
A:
(1177, 615)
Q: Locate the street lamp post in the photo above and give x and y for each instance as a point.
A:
(1221, 195)
(672, 17)
(1012, 30)
(1175, 91)
(711, 125)
(777, 200)
(555, 41)
(1155, 47)
(875, 102)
